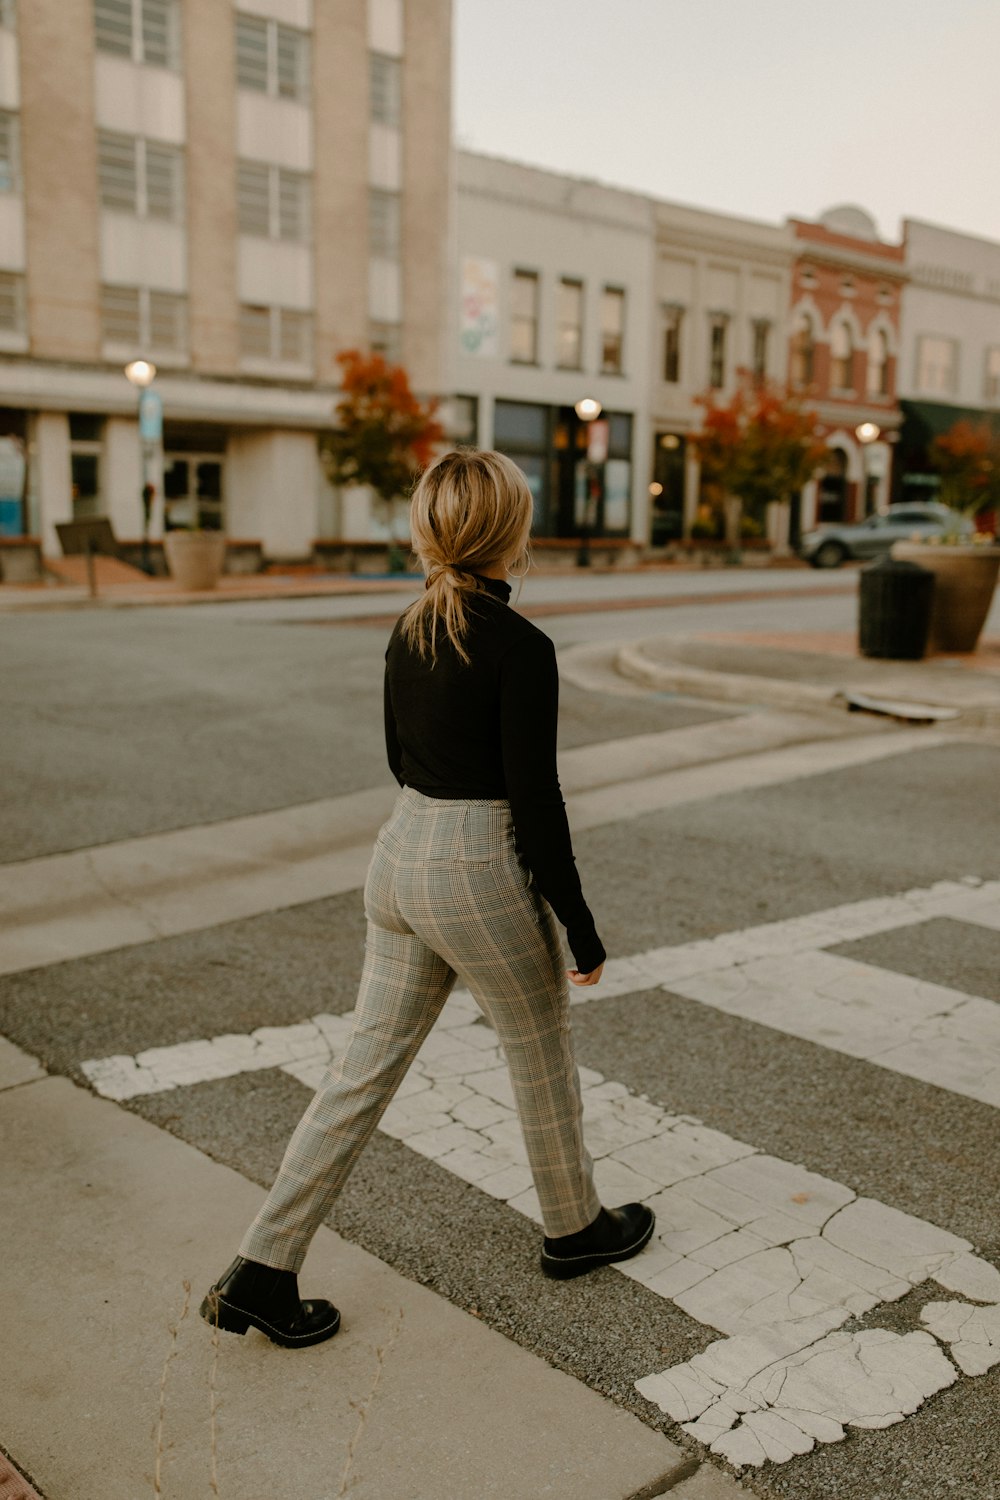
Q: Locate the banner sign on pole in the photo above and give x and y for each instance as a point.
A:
(598, 437)
(151, 417)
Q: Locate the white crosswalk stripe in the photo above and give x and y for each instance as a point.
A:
(772, 1256)
(780, 976)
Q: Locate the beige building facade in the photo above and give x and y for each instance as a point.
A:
(235, 191)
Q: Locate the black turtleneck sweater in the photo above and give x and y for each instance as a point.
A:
(487, 728)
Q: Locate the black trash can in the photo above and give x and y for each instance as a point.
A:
(894, 609)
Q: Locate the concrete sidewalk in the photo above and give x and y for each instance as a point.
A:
(811, 672)
(112, 593)
(111, 1377)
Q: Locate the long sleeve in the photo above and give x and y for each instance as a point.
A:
(529, 710)
(393, 751)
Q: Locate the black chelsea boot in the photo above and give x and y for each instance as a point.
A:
(251, 1293)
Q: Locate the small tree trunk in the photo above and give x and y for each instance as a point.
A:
(733, 509)
(779, 527)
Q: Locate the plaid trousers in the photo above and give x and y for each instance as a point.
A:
(446, 896)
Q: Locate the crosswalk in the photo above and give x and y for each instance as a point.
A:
(773, 1256)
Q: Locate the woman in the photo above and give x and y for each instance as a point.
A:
(464, 881)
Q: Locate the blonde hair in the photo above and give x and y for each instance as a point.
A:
(469, 511)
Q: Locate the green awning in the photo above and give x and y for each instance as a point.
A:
(925, 420)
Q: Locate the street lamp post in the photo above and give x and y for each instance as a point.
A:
(866, 434)
(588, 409)
(141, 373)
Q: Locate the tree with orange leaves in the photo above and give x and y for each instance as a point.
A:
(760, 445)
(384, 435)
(967, 457)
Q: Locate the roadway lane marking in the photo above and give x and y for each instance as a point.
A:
(68, 906)
(774, 1257)
(780, 976)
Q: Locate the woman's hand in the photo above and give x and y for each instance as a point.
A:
(594, 977)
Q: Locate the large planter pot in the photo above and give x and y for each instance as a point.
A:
(195, 558)
(965, 577)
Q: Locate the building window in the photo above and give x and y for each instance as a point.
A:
(612, 330)
(842, 356)
(992, 386)
(140, 177)
(718, 328)
(86, 441)
(164, 182)
(384, 224)
(118, 172)
(878, 364)
(672, 345)
(463, 423)
(10, 154)
(146, 31)
(273, 201)
(386, 339)
(272, 59)
(167, 314)
(143, 319)
(13, 306)
(255, 332)
(937, 365)
(524, 318)
(803, 350)
(521, 430)
(761, 341)
(385, 89)
(570, 332)
(280, 335)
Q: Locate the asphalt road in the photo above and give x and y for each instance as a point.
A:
(121, 724)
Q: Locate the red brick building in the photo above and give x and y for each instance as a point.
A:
(846, 293)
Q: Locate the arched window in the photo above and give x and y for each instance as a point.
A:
(842, 356)
(878, 364)
(803, 346)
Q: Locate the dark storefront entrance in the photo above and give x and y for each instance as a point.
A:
(667, 509)
(913, 478)
(833, 494)
(550, 444)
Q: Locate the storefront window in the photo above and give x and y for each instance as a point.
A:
(86, 434)
(521, 430)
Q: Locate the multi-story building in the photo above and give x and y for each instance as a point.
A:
(235, 190)
(950, 345)
(570, 289)
(553, 297)
(720, 307)
(847, 288)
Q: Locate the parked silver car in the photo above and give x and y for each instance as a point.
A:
(830, 545)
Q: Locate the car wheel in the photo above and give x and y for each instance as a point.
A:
(830, 555)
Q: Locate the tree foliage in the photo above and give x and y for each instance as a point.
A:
(762, 444)
(967, 457)
(384, 435)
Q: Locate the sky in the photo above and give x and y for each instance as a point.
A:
(764, 108)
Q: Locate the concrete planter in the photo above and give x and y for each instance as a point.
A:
(195, 558)
(965, 577)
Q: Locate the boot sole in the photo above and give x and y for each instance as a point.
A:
(222, 1314)
(564, 1268)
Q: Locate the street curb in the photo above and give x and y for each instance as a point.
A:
(724, 687)
(776, 692)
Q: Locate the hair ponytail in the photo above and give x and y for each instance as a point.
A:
(469, 511)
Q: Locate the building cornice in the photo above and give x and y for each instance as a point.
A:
(732, 247)
(565, 210)
(43, 385)
(841, 258)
